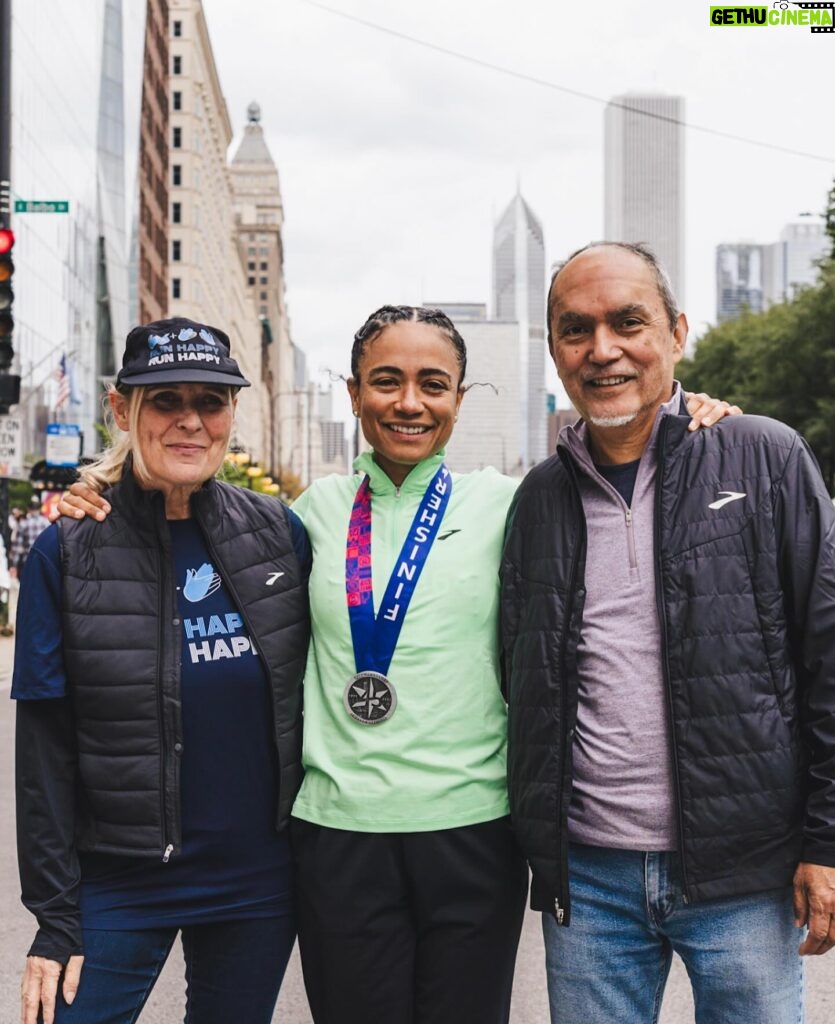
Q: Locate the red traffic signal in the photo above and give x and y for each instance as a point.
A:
(6, 299)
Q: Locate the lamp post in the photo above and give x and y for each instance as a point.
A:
(302, 417)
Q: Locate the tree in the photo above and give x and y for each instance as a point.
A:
(829, 218)
(779, 363)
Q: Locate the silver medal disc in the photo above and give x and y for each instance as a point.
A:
(369, 698)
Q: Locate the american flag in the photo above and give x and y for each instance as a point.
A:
(63, 377)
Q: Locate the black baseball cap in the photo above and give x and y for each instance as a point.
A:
(178, 351)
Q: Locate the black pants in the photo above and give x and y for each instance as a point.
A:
(409, 928)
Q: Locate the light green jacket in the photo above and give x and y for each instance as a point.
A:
(439, 761)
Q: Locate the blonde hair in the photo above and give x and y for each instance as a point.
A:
(108, 468)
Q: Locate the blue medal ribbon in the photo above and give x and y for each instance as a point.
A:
(375, 638)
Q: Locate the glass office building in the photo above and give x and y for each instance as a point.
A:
(76, 92)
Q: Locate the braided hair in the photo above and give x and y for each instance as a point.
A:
(385, 315)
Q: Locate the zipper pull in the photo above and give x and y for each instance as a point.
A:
(559, 913)
(167, 855)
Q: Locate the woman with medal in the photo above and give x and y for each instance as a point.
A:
(410, 888)
(158, 684)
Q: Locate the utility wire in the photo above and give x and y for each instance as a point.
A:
(543, 82)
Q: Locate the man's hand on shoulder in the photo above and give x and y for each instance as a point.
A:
(814, 906)
(81, 501)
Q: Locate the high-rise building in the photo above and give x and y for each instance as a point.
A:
(259, 219)
(519, 297)
(150, 284)
(76, 91)
(739, 279)
(488, 431)
(792, 262)
(206, 275)
(644, 177)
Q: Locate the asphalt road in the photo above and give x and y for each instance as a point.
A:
(166, 1004)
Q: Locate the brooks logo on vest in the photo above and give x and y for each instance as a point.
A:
(730, 496)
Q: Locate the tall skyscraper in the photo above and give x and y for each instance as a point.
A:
(259, 219)
(208, 280)
(792, 262)
(150, 286)
(75, 135)
(739, 279)
(644, 177)
(519, 297)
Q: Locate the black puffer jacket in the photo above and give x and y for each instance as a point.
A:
(99, 770)
(746, 599)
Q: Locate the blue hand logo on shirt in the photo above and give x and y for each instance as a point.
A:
(200, 583)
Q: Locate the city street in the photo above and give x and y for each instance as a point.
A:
(165, 1006)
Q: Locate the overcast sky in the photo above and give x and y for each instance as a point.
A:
(395, 159)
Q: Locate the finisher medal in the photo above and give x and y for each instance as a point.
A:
(369, 697)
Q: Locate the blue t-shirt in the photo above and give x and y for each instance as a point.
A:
(233, 863)
(622, 477)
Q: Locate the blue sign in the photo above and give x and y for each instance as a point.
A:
(63, 444)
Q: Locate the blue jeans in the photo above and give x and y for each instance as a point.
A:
(233, 972)
(628, 916)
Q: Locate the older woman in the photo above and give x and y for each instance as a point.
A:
(157, 672)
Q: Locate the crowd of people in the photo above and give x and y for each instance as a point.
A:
(400, 695)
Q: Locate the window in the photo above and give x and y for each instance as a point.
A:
(265, 251)
(176, 174)
(250, 281)
(177, 100)
(264, 280)
(251, 250)
(263, 296)
(263, 266)
(177, 65)
(175, 288)
(177, 213)
(262, 310)
(177, 138)
(176, 250)
(250, 265)
(177, 29)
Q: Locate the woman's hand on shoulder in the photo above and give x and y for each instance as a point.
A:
(39, 988)
(705, 411)
(80, 501)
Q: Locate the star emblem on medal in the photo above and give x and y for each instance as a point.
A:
(369, 698)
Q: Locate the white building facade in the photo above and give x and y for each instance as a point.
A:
(207, 279)
(644, 177)
(519, 297)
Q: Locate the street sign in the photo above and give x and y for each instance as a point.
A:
(11, 458)
(63, 444)
(41, 206)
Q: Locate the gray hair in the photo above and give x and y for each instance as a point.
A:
(643, 251)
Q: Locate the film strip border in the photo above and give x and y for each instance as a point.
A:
(820, 7)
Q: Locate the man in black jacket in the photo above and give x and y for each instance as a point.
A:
(669, 648)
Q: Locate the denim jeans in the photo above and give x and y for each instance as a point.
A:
(233, 972)
(628, 916)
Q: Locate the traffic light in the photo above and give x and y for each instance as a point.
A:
(6, 298)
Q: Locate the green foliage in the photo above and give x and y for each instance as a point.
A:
(779, 363)
(20, 491)
(233, 473)
(829, 218)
